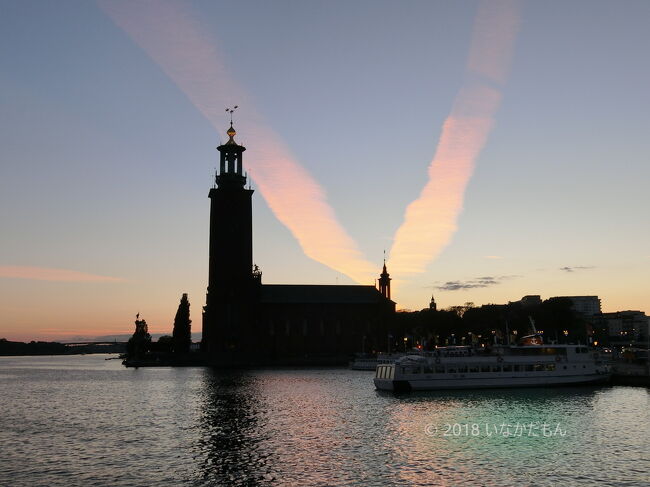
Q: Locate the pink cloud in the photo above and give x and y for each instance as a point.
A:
(50, 274)
(430, 221)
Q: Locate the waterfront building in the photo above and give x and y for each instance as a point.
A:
(626, 326)
(246, 321)
(585, 305)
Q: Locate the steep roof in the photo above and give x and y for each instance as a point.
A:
(296, 293)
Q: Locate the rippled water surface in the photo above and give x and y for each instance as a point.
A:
(83, 420)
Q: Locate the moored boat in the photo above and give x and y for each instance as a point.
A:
(501, 366)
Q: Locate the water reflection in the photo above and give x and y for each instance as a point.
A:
(233, 431)
(506, 437)
(329, 427)
(84, 421)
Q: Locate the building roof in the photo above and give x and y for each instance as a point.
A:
(307, 293)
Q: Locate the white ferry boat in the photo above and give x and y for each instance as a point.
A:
(501, 366)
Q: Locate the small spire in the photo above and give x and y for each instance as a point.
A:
(231, 131)
(432, 304)
(384, 271)
(384, 281)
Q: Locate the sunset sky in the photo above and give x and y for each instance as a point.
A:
(493, 150)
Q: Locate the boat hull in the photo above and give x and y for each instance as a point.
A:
(437, 384)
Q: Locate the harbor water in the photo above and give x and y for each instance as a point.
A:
(83, 420)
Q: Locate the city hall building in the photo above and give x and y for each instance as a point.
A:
(246, 322)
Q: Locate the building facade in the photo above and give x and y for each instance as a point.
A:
(585, 305)
(626, 326)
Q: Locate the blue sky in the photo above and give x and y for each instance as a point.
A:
(105, 161)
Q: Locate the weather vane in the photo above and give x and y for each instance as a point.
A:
(231, 110)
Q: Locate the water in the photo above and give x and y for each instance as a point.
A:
(82, 420)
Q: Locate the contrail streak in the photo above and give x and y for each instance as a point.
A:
(430, 220)
(175, 40)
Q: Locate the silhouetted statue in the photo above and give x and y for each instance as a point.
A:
(140, 342)
(182, 327)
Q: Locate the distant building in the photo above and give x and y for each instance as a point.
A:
(626, 325)
(531, 300)
(585, 305)
(247, 322)
(432, 304)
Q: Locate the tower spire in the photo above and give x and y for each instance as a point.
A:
(384, 281)
(231, 111)
(231, 172)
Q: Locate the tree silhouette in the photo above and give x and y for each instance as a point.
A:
(182, 334)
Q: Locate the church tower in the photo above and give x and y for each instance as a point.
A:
(384, 282)
(230, 275)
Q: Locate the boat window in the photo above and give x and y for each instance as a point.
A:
(496, 368)
(440, 369)
(538, 351)
(539, 367)
(518, 368)
(529, 368)
(451, 370)
(379, 371)
(550, 366)
(564, 367)
(474, 368)
(485, 368)
(462, 369)
(507, 368)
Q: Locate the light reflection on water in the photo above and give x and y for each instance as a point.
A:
(83, 420)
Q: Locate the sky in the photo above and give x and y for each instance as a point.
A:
(491, 149)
